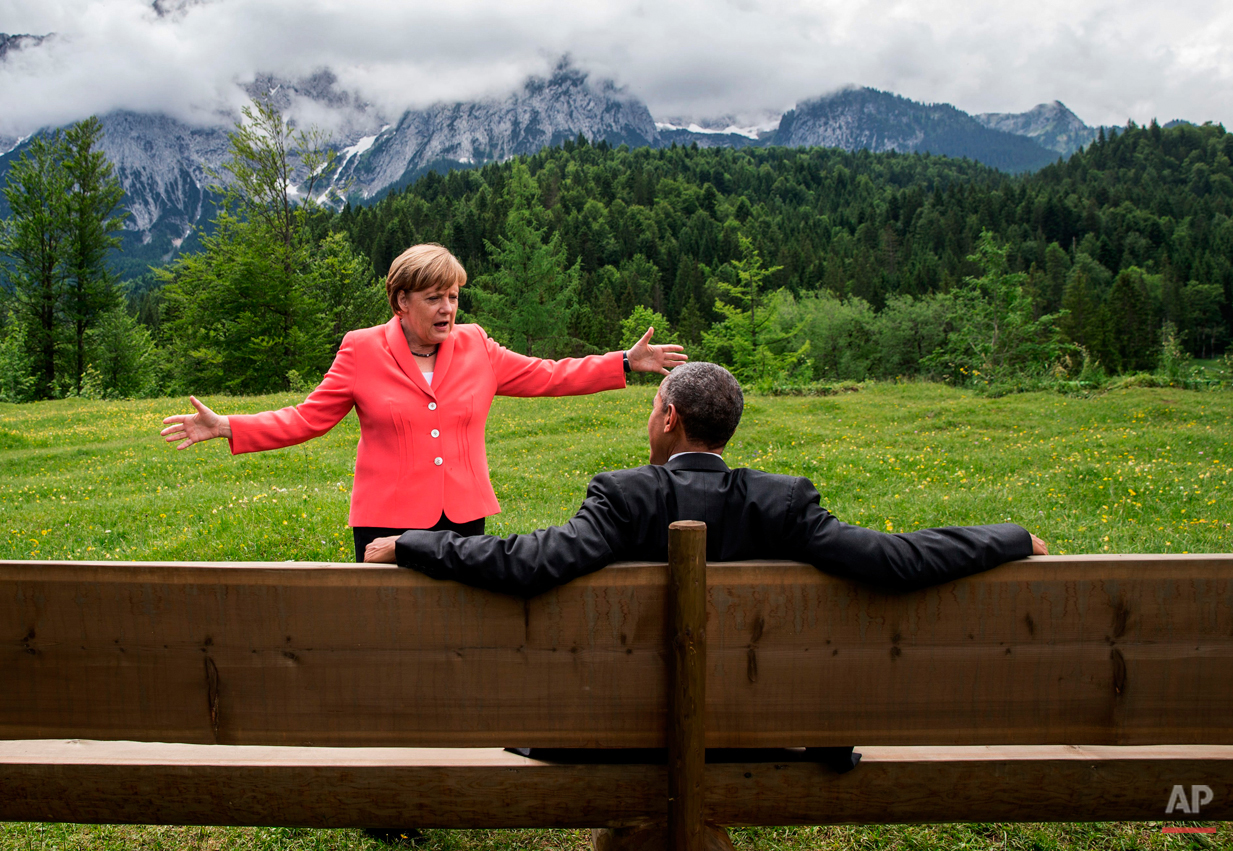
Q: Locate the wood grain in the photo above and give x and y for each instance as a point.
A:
(1053, 650)
(687, 685)
(143, 783)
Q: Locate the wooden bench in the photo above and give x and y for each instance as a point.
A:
(1051, 689)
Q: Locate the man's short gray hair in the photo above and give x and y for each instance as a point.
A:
(708, 400)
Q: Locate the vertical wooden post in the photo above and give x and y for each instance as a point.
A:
(687, 697)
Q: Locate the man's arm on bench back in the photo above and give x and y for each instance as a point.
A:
(902, 561)
(528, 564)
(604, 530)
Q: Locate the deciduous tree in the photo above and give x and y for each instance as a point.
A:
(256, 303)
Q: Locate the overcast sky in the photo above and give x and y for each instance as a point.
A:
(1108, 60)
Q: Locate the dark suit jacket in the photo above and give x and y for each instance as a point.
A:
(749, 515)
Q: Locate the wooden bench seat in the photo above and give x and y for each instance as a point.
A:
(151, 783)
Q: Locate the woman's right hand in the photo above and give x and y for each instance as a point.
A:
(194, 428)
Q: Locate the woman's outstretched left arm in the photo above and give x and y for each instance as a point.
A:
(519, 375)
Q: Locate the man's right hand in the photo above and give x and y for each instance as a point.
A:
(194, 428)
(381, 550)
(1039, 547)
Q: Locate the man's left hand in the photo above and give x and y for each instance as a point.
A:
(381, 550)
(644, 357)
(1039, 547)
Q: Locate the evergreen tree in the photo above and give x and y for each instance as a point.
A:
(237, 319)
(35, 239)
(123, 361)
(748, 339)
(1130, 324)
(529, 298)
(995, 335)
(691, 323)
(598, 321)
(16, 375)
(94, 195)
(1057, 264)
(1200, 312)
(1082, 319)
(343, 281)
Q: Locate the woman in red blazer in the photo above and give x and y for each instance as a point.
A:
(422, 388)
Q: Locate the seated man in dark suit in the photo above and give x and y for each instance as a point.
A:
(749, 514)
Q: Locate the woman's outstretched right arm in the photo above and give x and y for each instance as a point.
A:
(194, 428)
(316, 415)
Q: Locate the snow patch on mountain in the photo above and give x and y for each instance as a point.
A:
(8, 144)
(730, 130)
(756, 128)
(361, 146)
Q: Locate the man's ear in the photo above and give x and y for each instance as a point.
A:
(671, 419)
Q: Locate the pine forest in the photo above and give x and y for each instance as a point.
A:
(796, 268)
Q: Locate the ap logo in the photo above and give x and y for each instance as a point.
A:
(1199, 795)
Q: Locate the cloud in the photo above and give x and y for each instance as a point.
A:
(1107, 60)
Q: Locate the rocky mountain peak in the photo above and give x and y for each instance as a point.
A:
(864, 118)
(564, 74)
(543, 112)
(168, 167)
(1051, 125)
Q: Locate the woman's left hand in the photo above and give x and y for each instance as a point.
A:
(644, 357)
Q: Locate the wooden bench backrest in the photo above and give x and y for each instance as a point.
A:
(1058, 650)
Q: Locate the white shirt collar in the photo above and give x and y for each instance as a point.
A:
(695, 452)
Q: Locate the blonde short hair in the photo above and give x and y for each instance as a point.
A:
(423, 267)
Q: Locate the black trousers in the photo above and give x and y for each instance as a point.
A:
(365, 535)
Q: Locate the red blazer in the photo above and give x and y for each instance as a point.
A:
(421, 448)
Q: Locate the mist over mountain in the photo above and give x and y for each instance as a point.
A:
(167, 167)
(18, 41)
(10, 44)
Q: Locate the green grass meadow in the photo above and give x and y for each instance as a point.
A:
(1138, 470)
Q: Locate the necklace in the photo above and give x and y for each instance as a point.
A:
(430, 354)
